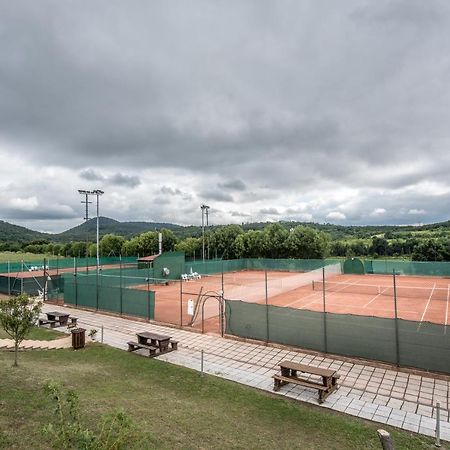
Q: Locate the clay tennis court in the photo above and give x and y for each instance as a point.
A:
(421, 299)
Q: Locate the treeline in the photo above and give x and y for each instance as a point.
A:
(275, 240)
(437, 249)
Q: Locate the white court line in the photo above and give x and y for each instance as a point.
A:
(427, 305)
(316, 293)
(378, 295)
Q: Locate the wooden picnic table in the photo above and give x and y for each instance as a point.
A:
(59, 317)
(156, 344)
(292, 372)
(56, 318)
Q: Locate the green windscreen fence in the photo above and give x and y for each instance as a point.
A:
(401, 267)
(55, 263)
(421, 345)
(288, 265)
(88, 292)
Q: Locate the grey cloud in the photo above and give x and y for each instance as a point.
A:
(234, 185)
(269, 211)
(117, 179)
(271, 103)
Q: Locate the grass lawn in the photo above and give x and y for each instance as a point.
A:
(173, 406)
(40, 334)
(18, 256)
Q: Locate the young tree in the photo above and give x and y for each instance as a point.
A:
(17, 317)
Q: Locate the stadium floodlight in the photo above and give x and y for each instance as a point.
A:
(97, 193)
(86, 218)
(205, 211)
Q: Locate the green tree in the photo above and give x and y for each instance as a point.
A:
(250, 244)
(17, 317)
(190, 246)
(307, 243)
(110, 244)
(274, 241)
(222, 241)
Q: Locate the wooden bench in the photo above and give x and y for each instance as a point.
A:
(52, 323)
(132, 346)
(173, 344)
(289, 374)
(73, 322)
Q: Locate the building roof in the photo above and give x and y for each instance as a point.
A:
(147, 258)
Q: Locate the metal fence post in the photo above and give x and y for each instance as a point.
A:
(267, 306)
(325, 337)
(121, 286)
(201, 363)
(397, 345)
(438, 425)
(102, 333)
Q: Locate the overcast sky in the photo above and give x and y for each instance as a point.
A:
(303, 110)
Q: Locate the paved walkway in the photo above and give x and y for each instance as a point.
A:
(385, 395)
(30, 344)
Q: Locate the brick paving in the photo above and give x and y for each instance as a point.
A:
(382, 394)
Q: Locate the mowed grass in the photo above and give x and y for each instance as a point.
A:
(173, 407)
(19, 256)
(37, 333)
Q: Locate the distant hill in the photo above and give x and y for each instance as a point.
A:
(16, 233)
(10, 233)
(111, 226)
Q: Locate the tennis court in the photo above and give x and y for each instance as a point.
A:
(419, 299)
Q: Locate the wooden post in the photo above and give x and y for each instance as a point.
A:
(386, 440)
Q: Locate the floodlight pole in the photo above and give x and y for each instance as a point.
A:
(97, 193)
(86, 218)
(204, 209)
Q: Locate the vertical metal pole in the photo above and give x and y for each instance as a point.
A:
(45, 280)
(76, 284)
(148, 290)
(397, 345)
(102, 333)
(21, 278)
(223, 285)
(98, 234)
(9, 279)
(324, 312)
(203, 233)
(201, 363)
(181, 302)
(267, 306)
(121, 286)
(57, 265)
(438, 425)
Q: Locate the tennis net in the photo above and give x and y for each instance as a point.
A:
(369, 289)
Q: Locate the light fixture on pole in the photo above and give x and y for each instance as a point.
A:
(205, 210)
(97, 193)
(86, 218)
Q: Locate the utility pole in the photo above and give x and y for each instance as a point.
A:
(205, 211)
(86, 218)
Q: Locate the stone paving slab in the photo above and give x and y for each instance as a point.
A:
(399, 398)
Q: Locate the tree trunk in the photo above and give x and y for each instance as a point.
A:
(16, 351)
(386, 440)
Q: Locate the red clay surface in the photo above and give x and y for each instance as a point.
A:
(430, 302)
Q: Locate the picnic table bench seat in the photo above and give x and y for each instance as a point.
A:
(174, 344)
(52, 323)
(132, 346)
(73, 322)
(289, 374)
